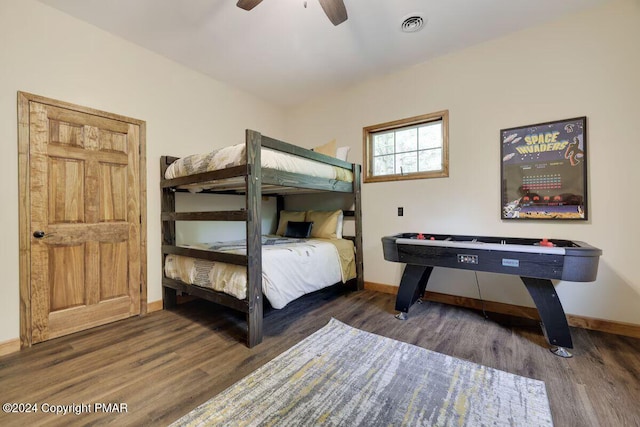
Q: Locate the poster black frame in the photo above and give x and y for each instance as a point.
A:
(575, 150)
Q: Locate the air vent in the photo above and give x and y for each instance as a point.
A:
(412, 23)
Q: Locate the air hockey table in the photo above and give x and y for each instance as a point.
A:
(536, 261)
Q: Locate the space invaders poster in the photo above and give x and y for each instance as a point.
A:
(544, 170)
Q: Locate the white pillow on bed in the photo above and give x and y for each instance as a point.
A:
(342, 153)
(340, 224)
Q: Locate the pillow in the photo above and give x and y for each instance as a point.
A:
(325, 223)
(285, 217)
(329, 148)
(342, 153)
(299, 229)
(339, 226)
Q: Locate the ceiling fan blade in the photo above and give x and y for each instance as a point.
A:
(247, 4)
(335, 10)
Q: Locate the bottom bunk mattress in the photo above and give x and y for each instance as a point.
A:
(290, 267)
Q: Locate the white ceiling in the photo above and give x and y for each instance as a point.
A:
(286, 53)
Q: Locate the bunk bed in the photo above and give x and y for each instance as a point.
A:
(254, 181)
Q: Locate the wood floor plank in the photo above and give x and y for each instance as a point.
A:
(165, 364)
(613, 365)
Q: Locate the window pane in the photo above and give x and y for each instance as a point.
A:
(430, 135)
(407, 162)
(383, 144)
(383, 165)
(406, 140)
(430, 160)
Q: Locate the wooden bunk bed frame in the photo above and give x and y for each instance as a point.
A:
(251, 180)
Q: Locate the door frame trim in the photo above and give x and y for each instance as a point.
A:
(24, 207)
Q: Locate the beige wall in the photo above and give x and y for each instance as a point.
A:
(586, 64)
(48, 53)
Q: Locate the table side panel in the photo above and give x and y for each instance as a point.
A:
(579, 263)
(544, 266)
(580, 268)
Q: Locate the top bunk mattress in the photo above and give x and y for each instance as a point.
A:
(235, 156)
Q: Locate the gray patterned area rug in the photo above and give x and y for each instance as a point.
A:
(342, 376)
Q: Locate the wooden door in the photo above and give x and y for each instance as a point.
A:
(84, 220)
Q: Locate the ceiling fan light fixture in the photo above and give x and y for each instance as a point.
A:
(412, 23)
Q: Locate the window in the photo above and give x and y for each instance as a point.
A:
(413, 148)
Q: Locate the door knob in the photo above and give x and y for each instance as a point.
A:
(38, 234)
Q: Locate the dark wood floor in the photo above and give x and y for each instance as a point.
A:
(165, 364)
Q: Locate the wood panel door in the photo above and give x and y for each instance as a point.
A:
(84, 219)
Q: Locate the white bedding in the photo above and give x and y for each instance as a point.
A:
(235, 156)
(290, 268)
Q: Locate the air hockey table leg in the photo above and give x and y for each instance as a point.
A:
(412, 286)
(553, 319)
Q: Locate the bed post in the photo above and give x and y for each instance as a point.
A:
(279, 208)
(168, 204)
(357, 196)
(254, 238)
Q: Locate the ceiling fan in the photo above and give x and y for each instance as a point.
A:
(334, 9)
